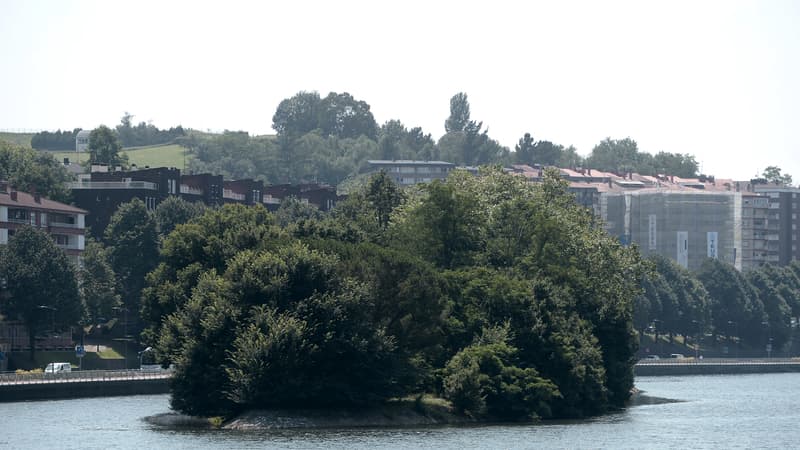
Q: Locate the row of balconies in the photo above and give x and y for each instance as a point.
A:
(85, 184)
(229, 194)
(51, 224)
(191, 190)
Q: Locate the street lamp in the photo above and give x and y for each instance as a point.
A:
(696, 339)
(141, 354)
(768, 338)
(52, 315)
(124, 331)
(656, 327)
(736, 324)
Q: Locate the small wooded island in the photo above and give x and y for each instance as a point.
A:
(502, 297)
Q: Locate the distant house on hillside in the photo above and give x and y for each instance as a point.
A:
(82, 140)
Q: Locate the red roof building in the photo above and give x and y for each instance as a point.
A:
(63, 222)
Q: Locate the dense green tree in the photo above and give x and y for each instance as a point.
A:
(145, 133)
(445, 226)
(503, 296)
(196, 339)
(777, 324)
(383, 196)
(466, 220)
(483, 379)
(343, 116)
(174, 211)
(570, 158)
(297, 115)
(29, 170)
(547, 153)
(104, 148)
(293, 210)
(773, 175)
(524, 150)
(459, 113)
(681, 165)
(466, 142)
(533, 152)
(58, 140)
(735, 306)
(397, 142)
(236, 155)
(132, 241)
(40, 286)
(685, 306)
(276, 322)
(615, 155)
(206, 243)
(98, 283)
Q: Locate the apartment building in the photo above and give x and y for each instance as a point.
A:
(759, 244)
(322, 196)
(102, 191)
(408, 172)
(783, 210)
(65, 223)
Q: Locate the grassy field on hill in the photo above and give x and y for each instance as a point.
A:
(170, 155)
(17, 138)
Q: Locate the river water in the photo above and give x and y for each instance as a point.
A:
(723, 411)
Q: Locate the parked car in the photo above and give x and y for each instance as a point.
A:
(58, 367)
(677, 356)
(653, 357)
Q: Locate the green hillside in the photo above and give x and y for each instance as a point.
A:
(17, 138)
(170, 155)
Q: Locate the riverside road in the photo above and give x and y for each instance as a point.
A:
(84, 383)
(712, 366)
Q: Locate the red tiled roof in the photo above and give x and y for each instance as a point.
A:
(27, 201)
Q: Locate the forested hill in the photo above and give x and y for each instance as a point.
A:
(329, 139)
(498, 295)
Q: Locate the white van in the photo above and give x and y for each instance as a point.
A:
(58, 367)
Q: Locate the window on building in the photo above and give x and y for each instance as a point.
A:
(61, 239)
(17, 215)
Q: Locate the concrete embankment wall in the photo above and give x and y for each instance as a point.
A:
(649, 369)
(79, 389)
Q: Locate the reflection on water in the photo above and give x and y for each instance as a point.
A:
(732, 411)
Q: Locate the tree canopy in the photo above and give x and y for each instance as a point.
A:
(27, 169)
(104, 147)
(500, 296)
(773, 175)
(132, 241)
(39, 284)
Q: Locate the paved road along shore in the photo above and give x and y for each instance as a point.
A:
(85, 383)
(711, 366)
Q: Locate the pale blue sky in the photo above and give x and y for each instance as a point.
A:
(718, 80)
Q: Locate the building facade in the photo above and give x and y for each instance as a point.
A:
(684, 225)
(409, 172)
(65, 223)
(783, 209)
(101, 192)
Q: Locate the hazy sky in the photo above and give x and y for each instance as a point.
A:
(718, 80)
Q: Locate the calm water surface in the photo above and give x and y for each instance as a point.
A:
(732, 411)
